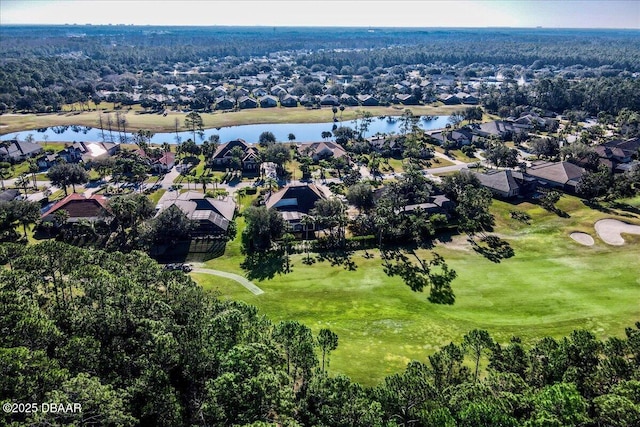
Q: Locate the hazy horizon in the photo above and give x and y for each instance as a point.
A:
(577, 14)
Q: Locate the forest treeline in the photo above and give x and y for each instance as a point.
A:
(139, 345)
(44, 68)
(136, 45)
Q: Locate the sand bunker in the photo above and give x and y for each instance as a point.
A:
(609, 230)
(582, 238)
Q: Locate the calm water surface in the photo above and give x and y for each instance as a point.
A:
(303, 131)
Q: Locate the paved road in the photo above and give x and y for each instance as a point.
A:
(250, 286)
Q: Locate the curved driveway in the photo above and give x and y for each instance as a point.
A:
(242, 280)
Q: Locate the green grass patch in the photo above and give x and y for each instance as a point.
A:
(635, 201)
(156, 196)
(395, 166)
(552, 286)
(438, 162)
(457, 155)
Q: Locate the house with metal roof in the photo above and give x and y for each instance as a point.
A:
(213, 215)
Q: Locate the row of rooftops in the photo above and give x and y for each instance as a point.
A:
(211, 213)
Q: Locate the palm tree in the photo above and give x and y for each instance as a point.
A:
(23, 181)
(374, 165)
(29, 213)
(307, 221)
(270, 183)
(215, 181)
(324, 165)
(33, 168)
(5, 172)
(204, 180)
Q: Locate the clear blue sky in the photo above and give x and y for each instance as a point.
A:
(402, 13)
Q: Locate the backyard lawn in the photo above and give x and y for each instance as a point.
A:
(552, 286)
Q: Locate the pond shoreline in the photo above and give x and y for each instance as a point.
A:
(283, 132)
(158, 123)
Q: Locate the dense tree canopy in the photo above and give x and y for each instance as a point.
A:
(139, 345)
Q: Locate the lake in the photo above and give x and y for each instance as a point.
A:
(304, 132)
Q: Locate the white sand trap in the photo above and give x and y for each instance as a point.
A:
(609, 230)
(582, 238)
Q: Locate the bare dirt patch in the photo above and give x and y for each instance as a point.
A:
(457, 242)
(610, 231)
(582, 238)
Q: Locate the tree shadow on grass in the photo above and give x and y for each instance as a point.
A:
(629, 210)
(492, 248)
(339, 257)
(264, 265)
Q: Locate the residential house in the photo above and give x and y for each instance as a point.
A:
(624, 150)
(368, 100)
(9, 195)
(533, 121)
(259, 91)
(322, 150)
(466, 98)
(448, 99)
(268, 101)
(80, 208)
(278, 91)
(289, 101)
(498, 128)
(502, 183)
(240, 92)
(80, 151)
(219, 91)
(329, 100)
(346, 99)
(457, 138)
(612, 153)
(401, 88)
(390, 144)
(165, 163)
(47, 161)
(213, 215)
(223, 156)
(294, 202)
(405, 99)
(307, 99)
(563, 175)
(437, 204)
(244, 102)
(224, 103)
(18, 151)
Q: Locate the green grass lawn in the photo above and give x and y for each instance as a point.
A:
(395, 165)
(438, 162)
(156, 195)
(458, 155)
(552, 286)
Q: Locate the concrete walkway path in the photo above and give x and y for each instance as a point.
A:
(447, 158)
(243, 281)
